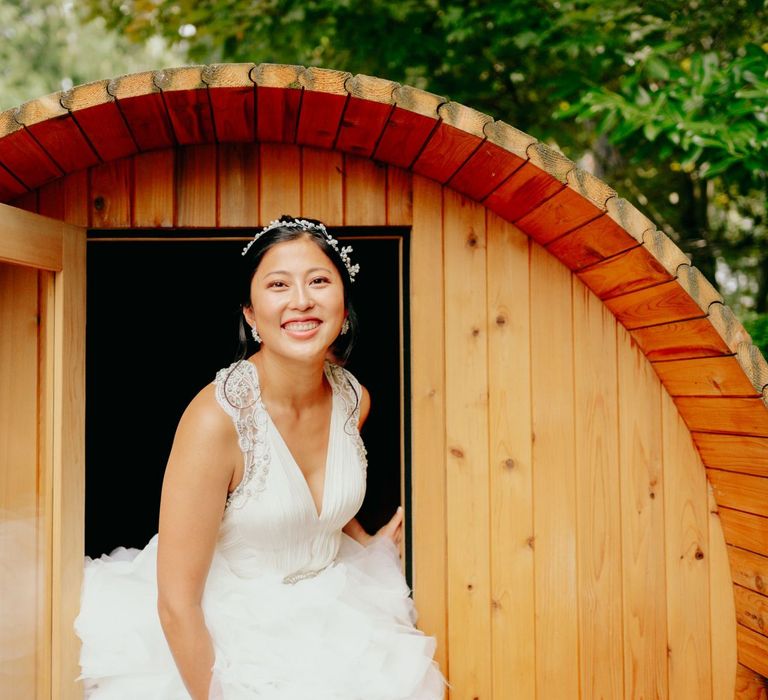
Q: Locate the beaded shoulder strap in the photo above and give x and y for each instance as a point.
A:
(347, 385)
(238, 393)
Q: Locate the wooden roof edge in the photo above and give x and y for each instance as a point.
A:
(87, 95)
(327, 80)
(227, 75)
(697, 286)
(40, 110)
(139, 84)
(8, 122)
(549, 160)
(590, 187)
(427, 104)
(754, 365)
(664, 249)
(179, 79)
(629, 217)
(509, 138)
(276, 75)
(372, 89)
(464, 118)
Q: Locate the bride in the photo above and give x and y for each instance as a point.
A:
(261, 583)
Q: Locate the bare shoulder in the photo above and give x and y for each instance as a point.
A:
(365, 405)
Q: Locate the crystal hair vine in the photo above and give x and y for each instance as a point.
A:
(310, 226)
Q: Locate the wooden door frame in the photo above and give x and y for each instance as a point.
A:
(48, 244)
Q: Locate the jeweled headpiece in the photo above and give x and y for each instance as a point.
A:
(310, 226)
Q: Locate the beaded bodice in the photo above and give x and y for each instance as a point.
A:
(270, 520)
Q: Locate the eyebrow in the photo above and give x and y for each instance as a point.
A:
(285, 272)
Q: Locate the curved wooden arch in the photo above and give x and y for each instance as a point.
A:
(700, 351)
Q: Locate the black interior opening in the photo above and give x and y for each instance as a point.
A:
(162, 319)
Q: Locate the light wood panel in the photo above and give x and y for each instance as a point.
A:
(238, 178)
(196, 186)
(280, 181)
(554, 478)
(509, 460)
(466, 430)
(365, 192)
(642, 524)
(687, 546)
(598, 500)
(322, 186)
(153, 189)
(428, 380)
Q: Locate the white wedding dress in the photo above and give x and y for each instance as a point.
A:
(296, 609)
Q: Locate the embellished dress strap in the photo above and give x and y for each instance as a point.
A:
(350, 390)
(238, 393)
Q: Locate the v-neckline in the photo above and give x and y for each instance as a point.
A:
(299, 473)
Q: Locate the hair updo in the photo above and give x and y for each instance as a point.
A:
(342, 346)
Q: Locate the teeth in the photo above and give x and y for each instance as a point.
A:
(304, 326)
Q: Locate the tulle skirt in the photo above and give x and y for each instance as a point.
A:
(346, 634)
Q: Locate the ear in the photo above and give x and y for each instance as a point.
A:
(249, 316)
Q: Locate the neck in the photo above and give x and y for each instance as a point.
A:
(290, 383)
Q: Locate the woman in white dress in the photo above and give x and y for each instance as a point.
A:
(260, 582)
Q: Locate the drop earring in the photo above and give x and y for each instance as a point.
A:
(255, 334)
(345, 326)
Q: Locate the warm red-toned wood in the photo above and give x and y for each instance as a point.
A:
(322, 194)
(743, 491)
(526, 189)
(186, 99)
(724, 415)
(277, 113)
(683, 339)
(106, 130)
(196, 186)
(705, 376)
(148, 121)
(238, 175)
(750, 685)
(597, 240)
(399, 197)
(404, 136)
(154, 188)
(561, 213)
(663, 303)
(749, 569)
(10, 186)
(745, 530)
(733, 452)
(110, 194)
(753, 649)
(361, 126)
(21, 155)
(27, 202)
(486, 168)
(446, 151)
(323, 102)
(365, 192)
(280, 181)
(629, 271)
(232, 95)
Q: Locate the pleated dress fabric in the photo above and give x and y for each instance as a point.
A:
(296, 608)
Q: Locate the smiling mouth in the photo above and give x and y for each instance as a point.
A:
(301, 325)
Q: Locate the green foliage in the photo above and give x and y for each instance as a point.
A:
(46, 47)
(757, 327)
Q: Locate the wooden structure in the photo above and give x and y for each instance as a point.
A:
(589, 426)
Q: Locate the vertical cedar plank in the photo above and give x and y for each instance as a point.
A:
(196, 186)
(399, 197)
(642, 524)
(322, 194)
(238, 184)
(466, 421)
(365, 192)
(554, 485)
(686, 518)
(154, 188)
(509, 409)
(280, 180)
(597, 496)
(428, 426)
(66, 199)
(110, 194)
(50, 199)
(722, 607)
(27, 202)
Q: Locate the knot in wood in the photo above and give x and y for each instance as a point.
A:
(501, 320)
(98, 203)
(495, 604)
(475, 332)
(509, 463)
(469, 586)
(699, 554)
(456, 452)
(472, 239)
(759, 583)
(530, 541)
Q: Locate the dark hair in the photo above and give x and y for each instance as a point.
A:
(342, 346)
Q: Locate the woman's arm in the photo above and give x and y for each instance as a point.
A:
(199, 470)
(353, 528)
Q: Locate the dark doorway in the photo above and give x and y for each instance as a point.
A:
(162, 319)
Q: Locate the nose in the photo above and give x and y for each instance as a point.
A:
(302, 297)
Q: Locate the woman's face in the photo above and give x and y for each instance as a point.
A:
(297, 299)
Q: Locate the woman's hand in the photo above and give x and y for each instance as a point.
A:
(393, 529)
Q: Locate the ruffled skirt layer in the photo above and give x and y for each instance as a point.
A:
(346, 634)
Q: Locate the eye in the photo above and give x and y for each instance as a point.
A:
(321, 279)
(275, 283)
